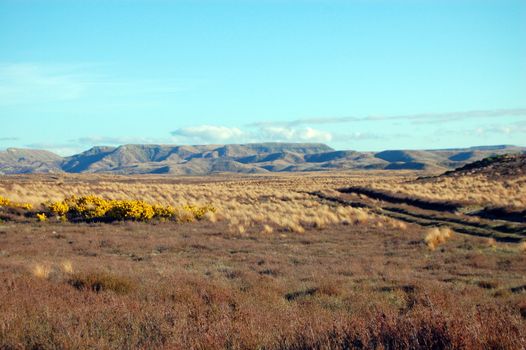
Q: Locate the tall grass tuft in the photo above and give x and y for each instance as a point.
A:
(41, 271)
(437, 236)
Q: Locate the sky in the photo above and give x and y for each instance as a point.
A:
(354, 74)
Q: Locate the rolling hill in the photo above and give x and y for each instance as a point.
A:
(500, 167)
(238, 158)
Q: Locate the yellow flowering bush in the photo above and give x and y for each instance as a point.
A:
(59, 208)
(131, 210)
(164, 212)
(97, 208)
(89, 207)
(94, 208)
(5, 202)
(26, 206)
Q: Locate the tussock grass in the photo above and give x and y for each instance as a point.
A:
(472, 189)
(67, 267)
(491, 242)
(436, 236)
(282, 204)
(360, 280)
(41, 271)
(267, 229)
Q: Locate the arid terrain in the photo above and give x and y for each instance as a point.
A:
(335, 260)
(251, 158)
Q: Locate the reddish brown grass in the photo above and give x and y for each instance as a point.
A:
(349, 280)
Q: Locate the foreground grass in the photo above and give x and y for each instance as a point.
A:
(197, 286)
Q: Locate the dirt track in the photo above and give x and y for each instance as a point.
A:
(433, 213)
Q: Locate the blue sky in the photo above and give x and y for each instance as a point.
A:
(364, 75)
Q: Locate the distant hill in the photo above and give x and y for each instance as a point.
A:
(498, 167)
(24, 161)
(238, 158)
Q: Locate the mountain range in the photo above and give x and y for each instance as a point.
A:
(238, 158)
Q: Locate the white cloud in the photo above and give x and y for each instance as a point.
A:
(30, 83)
(309, 134)
(293, 134)
(4, 139)
(276, 133)
(117, 141)
(62, 149)
(422, 118)
(506, 129)
(209, 134)
(223, 134)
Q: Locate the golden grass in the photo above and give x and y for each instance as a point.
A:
(436, 236)
(280, 268)
(248, 206)
(472, 189)
(267, 229)
(67, 266)
(282, 203)
(491, 242)
(41, 271)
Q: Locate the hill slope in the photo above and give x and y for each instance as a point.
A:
(21, 161)
(497, 167)
(238, 158)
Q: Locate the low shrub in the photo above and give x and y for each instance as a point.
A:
(436, 236)
(130, 210)
(93, 208)
(101, 281)
(5, 202)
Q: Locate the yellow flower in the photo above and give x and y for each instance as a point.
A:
(26, 206)
(59, 208)
(4, 202)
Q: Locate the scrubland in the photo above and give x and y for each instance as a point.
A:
(247, 204)
(273, 266)
(477, 190)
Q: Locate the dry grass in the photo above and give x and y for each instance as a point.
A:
(467, 189)
(436, 236)
(273, 268)
(186, 286)
(41, 271)
(283, 204)
(491, 242)
(67, 266)
(101, 281)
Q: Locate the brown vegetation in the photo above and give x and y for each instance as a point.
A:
(275, 267)
(478, 190)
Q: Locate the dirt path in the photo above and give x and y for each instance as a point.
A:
(430, 213)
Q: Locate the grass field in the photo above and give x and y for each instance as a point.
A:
(285, 262)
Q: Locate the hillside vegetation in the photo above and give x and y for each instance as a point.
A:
(334, 260)
(258, 158)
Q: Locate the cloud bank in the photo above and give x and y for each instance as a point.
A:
(422, 118)
(223, 134)
(30, 83)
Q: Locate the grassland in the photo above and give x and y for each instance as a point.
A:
(284, 263)
(477, 190)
